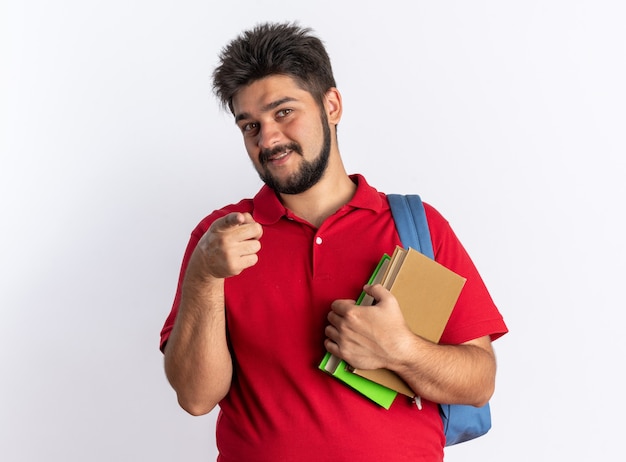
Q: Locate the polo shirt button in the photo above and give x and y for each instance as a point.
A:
(318, 240)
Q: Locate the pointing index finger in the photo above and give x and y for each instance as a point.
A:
(231, 220)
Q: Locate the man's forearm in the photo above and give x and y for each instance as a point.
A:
(452, 374)
(197, 361)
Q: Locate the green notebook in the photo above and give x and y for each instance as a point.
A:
(339, 369)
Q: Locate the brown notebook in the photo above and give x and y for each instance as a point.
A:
(426, 292)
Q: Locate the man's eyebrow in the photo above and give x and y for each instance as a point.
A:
(267, 107)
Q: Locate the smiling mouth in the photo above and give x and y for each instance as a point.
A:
(279, 156)
(275, 156)
(279, 153)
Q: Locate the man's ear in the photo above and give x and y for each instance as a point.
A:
(333, 105)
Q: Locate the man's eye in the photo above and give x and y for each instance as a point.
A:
(283, 112)
(250, 127)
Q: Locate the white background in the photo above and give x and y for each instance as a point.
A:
(509, 117)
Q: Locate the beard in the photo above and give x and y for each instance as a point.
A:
(308, 175)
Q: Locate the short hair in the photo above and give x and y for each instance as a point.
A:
(273, 49)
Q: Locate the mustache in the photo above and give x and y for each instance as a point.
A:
(266, 154)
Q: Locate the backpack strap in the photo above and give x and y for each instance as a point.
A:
(460, 422)
(410, 217)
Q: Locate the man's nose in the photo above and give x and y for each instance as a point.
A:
(269, 135)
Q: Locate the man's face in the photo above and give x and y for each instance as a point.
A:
(285, 132)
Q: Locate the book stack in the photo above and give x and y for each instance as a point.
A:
(426, 292)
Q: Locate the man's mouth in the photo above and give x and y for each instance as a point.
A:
(279, 156)
(278, 153)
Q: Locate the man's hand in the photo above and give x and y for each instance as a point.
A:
(227, 248)
(367, 337)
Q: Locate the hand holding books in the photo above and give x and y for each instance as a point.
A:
(365, 338)
(426, 293)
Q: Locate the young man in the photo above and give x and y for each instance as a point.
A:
(266, 285)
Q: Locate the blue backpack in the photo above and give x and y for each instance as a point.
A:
(460, 422)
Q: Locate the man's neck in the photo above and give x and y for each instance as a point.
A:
(323, 199)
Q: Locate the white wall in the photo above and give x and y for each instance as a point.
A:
(507, 116)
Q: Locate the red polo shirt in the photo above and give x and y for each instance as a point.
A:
(281, 407)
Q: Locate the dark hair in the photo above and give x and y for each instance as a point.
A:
(273, 49)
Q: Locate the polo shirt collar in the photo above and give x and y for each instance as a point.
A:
(365, 197)
(268, 209)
